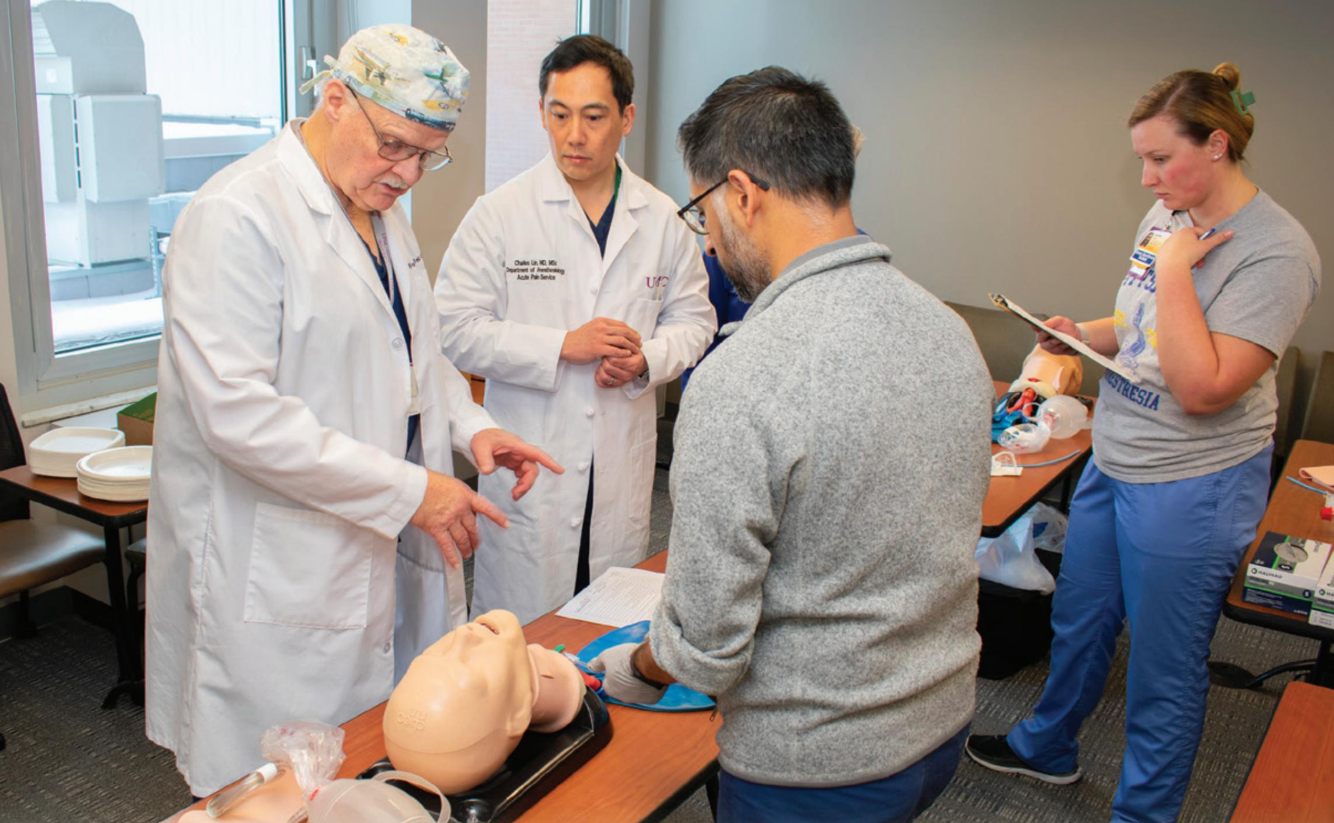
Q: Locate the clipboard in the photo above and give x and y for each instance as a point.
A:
(1073, 342)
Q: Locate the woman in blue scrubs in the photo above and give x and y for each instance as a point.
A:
(1219, 279)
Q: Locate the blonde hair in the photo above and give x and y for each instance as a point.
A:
(1201, 103)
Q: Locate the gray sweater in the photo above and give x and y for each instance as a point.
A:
(830, 461)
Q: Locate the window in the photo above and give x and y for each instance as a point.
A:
(122, 110)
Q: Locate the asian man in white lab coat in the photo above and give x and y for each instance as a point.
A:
(575, 291)
(305, 534)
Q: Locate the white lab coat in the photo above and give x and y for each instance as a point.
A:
(279, 488)
(522, 270)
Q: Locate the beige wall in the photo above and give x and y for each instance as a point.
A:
(443, 197)
(521, 33)
(997, 157)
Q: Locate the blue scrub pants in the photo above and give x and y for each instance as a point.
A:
(894, 799)
(1163, 556)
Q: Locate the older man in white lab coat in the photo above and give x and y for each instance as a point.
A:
(574, 290)
(305, 419)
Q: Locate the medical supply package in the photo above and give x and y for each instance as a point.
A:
(1322, 605)
(1285, 572)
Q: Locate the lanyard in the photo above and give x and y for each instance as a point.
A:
(382, 238)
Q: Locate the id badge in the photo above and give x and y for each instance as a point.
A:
(1147, 251)
(414, 407)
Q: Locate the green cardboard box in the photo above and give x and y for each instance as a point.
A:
(136, 420)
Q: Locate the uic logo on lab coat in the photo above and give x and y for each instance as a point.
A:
(656, 282)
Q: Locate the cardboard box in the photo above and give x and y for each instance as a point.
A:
(1285, 572)
(1322, 605)
(136, 420)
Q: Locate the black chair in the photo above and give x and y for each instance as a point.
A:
(1285, 386)
(1003, 340)
(1319, 422)
(1230, 675)
(33, 554)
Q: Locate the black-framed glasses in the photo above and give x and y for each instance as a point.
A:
(695, 218)
(397, 151)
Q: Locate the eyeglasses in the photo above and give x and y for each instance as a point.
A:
(695, 218)
(397, 151)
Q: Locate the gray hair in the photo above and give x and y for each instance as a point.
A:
(778, 126)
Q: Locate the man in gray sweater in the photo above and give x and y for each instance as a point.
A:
(830, 462)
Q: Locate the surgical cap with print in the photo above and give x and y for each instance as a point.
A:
(403, 69)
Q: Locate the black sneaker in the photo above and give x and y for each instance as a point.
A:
(991, 751)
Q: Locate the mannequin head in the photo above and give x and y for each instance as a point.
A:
(1050, 374)
(558, 692)
(465, 702)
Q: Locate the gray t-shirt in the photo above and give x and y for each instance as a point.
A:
(1258, 286)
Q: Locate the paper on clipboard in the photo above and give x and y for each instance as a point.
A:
(1073, 342)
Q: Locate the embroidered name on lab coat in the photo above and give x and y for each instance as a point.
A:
(534, 270)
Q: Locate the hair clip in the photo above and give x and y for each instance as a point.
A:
(1242, 100)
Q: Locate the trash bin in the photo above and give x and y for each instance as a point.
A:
(1015, 624)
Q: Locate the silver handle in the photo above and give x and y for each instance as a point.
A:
(308, 66)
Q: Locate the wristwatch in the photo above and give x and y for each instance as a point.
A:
(1083, 335)
(638, 675)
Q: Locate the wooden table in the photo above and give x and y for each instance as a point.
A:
(1290, 779)
(1009, 497)
(653, 762)
(62, 494)
(1294, 511)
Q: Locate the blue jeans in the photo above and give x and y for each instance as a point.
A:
(1163, 556)
(894, 799)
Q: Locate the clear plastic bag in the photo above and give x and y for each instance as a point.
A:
(1024, 438)
(1049, 528)
(312, 750)
(1012, 560)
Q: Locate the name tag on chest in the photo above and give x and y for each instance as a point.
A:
(1146, 253)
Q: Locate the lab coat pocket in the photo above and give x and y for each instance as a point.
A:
(639, 486)
(308, 568)
(642, 316)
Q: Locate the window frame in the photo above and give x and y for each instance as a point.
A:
(96, 377)
(625, 24)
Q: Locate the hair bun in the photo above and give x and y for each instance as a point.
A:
(1230, 74)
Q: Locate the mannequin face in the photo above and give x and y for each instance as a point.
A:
(482, 669)
(465, 702)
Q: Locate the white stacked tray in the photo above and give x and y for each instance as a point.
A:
(119, 475)
(58, 452)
